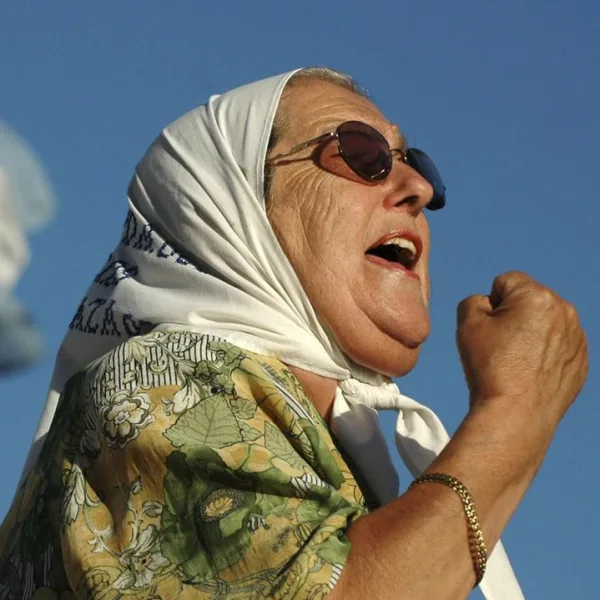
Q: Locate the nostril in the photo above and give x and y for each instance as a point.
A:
(408, 201)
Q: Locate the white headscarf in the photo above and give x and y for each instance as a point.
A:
(198, 253)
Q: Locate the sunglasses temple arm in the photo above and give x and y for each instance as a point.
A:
(401, 151)
(303, 145)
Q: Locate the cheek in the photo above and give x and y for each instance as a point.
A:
(318, 214)
(303, 218)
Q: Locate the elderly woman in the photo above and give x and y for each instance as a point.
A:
(211, 429)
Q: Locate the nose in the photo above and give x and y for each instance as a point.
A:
(410, 190)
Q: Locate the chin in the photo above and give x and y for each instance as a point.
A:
(380, 338)
(398, 363)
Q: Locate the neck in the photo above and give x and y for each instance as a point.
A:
(320, 390)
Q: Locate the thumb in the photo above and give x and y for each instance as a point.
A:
(505, 285)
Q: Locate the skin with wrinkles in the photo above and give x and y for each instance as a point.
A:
(325, 218)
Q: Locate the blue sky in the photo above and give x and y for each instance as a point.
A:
(503, 95)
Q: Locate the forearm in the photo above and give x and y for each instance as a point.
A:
(417, 547)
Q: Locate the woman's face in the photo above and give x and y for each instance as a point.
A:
(327, 220)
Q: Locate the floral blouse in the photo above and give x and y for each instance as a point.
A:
(180, 466)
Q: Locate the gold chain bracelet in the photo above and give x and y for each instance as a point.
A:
(477, 545)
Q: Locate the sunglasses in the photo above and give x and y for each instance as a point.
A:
(369, 155)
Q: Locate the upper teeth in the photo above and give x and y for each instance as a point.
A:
(402, 243)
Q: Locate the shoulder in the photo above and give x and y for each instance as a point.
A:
(200, 392)
(192, 366)
(183, 446)
(161, 358)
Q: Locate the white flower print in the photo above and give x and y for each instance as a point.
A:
(141, 561)
(124, 416)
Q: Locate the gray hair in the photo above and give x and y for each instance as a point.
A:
(328, 74)
(279, 124)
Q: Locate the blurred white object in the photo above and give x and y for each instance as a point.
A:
(33, 196)
(26, 205)
(14, 252)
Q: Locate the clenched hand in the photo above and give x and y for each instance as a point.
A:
(525, 343)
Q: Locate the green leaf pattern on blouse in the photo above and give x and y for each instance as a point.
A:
(180, 466)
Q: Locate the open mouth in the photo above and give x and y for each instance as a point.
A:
(398, 251)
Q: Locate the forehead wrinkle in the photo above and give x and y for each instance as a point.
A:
(330, 106)
(330, 109)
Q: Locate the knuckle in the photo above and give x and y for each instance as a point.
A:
(571, 312)
(513, 278)
(542, 297)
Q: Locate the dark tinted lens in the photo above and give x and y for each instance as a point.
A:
(365, 150)
(422, 164)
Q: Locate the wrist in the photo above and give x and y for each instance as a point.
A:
(522, 415)
(496, 451)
